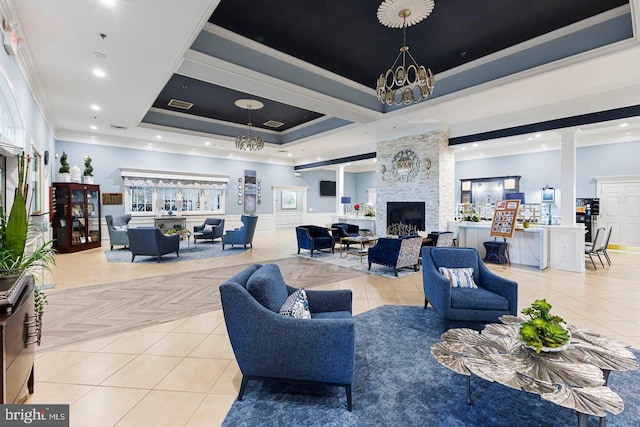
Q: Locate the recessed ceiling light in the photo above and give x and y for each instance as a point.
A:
(464, 148)
(348, 164)
(109, 3)
(95, 107)
(158, 136)
(530, 139)
(207, 143)
(289, 154)
(93, 127)
(375, 160)
(622, 125)
(538, 135)
(98, 72)
(475, 145)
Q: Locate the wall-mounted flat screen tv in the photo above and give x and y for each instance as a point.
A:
(327, 188)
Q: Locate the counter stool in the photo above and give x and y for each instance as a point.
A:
(497, 252)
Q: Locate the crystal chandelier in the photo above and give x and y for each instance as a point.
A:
(407, 82)
(249, 142)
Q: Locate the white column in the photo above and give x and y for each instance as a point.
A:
(568, 178)
(340, 189)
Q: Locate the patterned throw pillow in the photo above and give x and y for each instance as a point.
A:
(120, 227)
(459, 277)
(208, 228)
(296, 305)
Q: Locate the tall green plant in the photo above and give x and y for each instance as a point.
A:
(15, 228)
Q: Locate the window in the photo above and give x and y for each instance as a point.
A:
(156, 192)
(141, 199)
(213, 200)
(36, 179)
(191, 200)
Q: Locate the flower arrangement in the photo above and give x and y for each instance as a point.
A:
(356, 207)
(369, 210)
(543, 330)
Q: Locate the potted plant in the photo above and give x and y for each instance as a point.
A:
(15, 259)
(65, 168)
(543, 332)
(87, 175)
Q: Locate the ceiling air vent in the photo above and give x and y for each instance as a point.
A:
(118, 127)
(273, 124)
(183, 105)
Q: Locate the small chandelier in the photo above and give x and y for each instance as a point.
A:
(249, 142)
(404, 84)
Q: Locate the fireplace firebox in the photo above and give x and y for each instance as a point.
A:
(410, 213)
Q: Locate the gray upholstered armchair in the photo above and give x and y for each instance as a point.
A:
(268, 345)
(152, 242)
(118, 226)
(495, 295)
(212, 228)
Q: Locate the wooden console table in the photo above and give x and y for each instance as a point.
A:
(167, 222)
(17, 343)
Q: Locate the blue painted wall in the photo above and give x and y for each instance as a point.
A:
(107, 162)
(540, 169)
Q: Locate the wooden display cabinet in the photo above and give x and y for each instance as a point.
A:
(76, 218)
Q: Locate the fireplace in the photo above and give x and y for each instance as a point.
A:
(409, 213)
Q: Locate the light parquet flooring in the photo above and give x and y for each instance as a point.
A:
(187, 364)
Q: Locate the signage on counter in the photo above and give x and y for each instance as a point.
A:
(504, 218)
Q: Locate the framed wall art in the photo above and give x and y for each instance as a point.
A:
(289, 200)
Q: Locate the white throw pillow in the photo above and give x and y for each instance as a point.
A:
(208, 228)
(459, 277)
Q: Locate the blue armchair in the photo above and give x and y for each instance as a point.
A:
(396, 252)
(118, 226)
(242, 235)
(150, 241)
(342, 229)
(214, 230)
(495, 296)
(314, 238)
(270, 346)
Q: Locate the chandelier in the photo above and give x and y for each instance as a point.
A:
(249, 142)
(407, 82)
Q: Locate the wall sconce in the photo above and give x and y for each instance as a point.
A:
(239, 191)
(427, 166)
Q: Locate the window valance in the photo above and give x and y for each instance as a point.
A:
(151, 178)
(158, 182)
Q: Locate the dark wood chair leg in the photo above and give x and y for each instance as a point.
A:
(426, 303)
(243, 387)
(349, 402)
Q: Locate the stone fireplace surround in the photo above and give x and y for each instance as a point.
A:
(433, 184)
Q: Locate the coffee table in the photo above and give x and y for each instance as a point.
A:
(575, 378)
(361, 240)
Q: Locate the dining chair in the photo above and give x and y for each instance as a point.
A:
(591, 249)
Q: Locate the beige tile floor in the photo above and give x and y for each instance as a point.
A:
(183, 373)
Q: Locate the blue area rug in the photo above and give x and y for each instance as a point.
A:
(399, 383)
(187, 252)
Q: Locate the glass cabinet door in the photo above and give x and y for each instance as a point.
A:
(93, 218)
(79, 232)
(61, 225)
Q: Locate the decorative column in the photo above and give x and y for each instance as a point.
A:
(568, 178)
